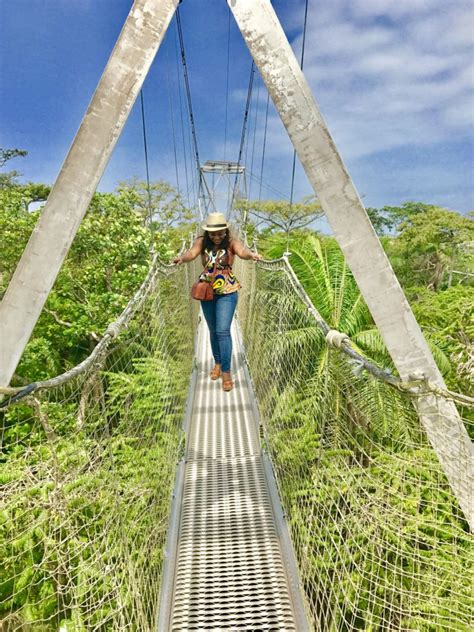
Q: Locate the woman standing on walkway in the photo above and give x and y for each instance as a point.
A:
(217, 249)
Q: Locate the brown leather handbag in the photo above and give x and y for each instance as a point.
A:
(203, 290)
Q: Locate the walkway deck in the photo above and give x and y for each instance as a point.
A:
(229, 560)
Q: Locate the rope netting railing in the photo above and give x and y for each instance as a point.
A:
(87, 473)
(379, 537)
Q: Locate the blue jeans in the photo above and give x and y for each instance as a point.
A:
(218, 314)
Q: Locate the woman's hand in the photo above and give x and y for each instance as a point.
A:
(190, 254)
(243, 252)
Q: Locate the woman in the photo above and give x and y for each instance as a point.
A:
(217, 249)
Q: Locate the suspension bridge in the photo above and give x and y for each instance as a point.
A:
(139, 496)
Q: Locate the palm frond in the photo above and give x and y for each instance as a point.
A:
(441, 359)
(356, 317)
(370, 342)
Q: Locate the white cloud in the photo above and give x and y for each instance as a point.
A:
(389, 73)
(443, 30)
(459, 115)
(392, 8)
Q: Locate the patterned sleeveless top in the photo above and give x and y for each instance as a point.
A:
(225, 281)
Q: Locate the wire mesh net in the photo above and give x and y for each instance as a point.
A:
(379, 538)
(89, 465)
(87, 475)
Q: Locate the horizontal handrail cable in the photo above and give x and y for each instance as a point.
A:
(113, 330)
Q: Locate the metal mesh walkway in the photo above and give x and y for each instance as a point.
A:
(230, 564)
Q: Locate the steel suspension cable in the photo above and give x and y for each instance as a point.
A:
(145, 147)
(268, 186)
(173, 132)
(244, 129)
(188, 97)
(186, 131)
(254, 133)
(181, 118)
(305, 24)
(249, 129)
(264, 146)
(227, 84)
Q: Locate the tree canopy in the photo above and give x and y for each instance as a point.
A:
(10, 177)
(279, 214)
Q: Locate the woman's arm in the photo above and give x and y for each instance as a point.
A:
(243, 252)
(190, 254)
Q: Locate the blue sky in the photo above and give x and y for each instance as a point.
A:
(393, 79)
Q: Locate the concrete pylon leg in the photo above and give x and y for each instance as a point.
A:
(114, 97)
(327, 174)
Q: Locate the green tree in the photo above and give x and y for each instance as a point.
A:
(446, 318)
(407, 210)
(160, 205)
(105, 265)
(8, 154)
(430, 245)
(322, 270)
(9, 178)
(380, 220)
(16, 225)
(279, 214)
(386, 220)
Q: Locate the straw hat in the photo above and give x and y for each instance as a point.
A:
(214, 222)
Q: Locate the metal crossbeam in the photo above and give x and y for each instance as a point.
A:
(222, 166)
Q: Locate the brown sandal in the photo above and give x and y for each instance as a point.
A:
(227, 385)
(215, 373)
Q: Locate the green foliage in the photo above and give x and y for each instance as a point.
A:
(322, 270)
(388, 218)
(279, 214)
(380, 220)
(88, 480)
(380, 539)
(430, 245)
(88, 470)
(394, 546)
(433, 257)
(159, 205)
(57, 536)
(16, 225)
(105, 265)
(8, 154)
(9, 178)
(446, 318)
(107, 262)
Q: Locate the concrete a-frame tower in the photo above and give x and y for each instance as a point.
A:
(117, 90)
